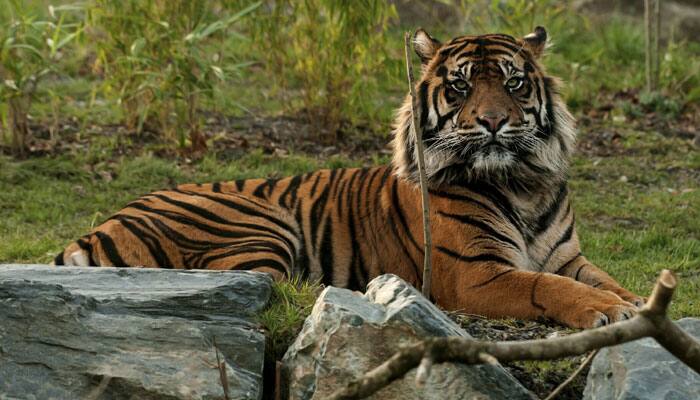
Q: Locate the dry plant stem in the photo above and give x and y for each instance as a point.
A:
(221, 366)
(651, 321)
(418, 132)
(656, 49)
(647, 43)
(573, 376)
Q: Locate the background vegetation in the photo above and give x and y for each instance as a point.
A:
(106, 100)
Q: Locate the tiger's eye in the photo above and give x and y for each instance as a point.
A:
(460, 85)
(514, 83)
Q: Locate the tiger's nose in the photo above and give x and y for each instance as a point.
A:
(492, 121)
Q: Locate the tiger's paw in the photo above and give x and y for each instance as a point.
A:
(599, 308)
(630, 297)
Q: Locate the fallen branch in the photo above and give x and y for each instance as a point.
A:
(418, 133)
(651, 321)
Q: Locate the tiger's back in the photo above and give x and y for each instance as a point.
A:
(323, 225)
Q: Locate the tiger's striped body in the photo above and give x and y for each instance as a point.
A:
(503, 228)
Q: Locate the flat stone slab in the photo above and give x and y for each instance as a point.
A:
(643, 370)
(348, 333)
(113, 333)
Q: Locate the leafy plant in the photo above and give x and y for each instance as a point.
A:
(29, 48)
(332, 53)
(160, 57)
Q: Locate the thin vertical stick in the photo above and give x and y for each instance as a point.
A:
(418, 133)
(657, 29)
(647, 42)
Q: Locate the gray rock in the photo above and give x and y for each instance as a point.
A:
(643, 370)
(111, 333)
(348, 334)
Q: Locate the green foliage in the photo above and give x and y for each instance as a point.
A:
(159, 59)
(513, 17)
(29, 48)
(333, 52)
(289, 306)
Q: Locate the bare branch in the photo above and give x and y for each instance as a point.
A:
(651, 321)
(418, 132)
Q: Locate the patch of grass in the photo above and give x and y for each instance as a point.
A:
(637, 213)
(289, 306)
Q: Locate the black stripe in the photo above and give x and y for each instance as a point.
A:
(563, 239)
(317, 209)
(396, 206)
(493, 278)
(151, 242)
(216, 187)
(326, 252)
(546, 218)
(304, 251)
(292, 188)
(465, 219)
(110, 249)
(499, 200)
(253, 264)
(315, 185)
(184, 241)
(85, 245)
(59, 259)
(423, 99)
(566, 264)
(532, 293)
(240, 184)
(268, 186)
(230, 204)
(251, 247)
(485, 257)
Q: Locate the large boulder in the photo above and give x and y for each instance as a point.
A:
(113, 333)
(348, 333)
(643, 370)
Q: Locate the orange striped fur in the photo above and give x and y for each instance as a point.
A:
(498, 139)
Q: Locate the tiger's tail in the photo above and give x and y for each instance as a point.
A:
(78, 254)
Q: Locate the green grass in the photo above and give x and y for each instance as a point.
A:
(638, 213)
(289, 306)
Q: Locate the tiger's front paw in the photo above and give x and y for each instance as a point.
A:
(598, 308)
(630, 297)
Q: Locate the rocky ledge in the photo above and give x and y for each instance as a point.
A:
(113, 333)
(129, 333)
(349, 333)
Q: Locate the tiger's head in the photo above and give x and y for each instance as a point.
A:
(488, 111)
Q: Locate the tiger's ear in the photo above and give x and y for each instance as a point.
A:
(536, 41)
(425, 46)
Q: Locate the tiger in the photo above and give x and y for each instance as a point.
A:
(497, 140)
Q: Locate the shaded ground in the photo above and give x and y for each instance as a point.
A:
(540, 377)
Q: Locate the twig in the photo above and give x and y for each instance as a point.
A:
(573, 376)
(221, 366)
(99, 390)
(656, 48)
(418, 133)
(651, 321)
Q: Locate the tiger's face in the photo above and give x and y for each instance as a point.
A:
(487, 110)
